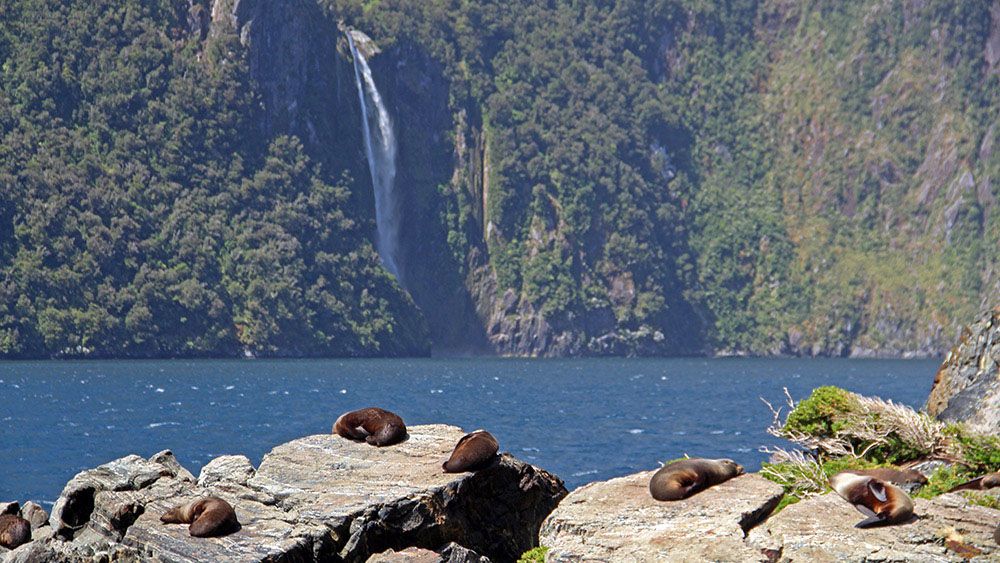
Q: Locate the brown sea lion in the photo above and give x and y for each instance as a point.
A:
(987, 481)
(473, 452)
(14, 531)
(376, 426)
(882, 502)
(208, 516)
(686, 477)
(900, 477)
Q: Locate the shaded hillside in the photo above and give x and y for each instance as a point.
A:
(630, 177)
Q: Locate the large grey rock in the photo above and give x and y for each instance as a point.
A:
(317, 498)
(34, 514)
(618, 520)
(822, 529)
(967, 385)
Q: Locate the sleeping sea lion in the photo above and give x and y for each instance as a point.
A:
(376, 426)
(14, 531)
(906, 478)
(208, 516)
(987, 481)
(882, 502)
(686, 477)
(473, 452)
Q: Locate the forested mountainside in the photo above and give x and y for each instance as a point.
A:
(189, 177)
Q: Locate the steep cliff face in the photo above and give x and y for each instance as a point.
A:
(808, 180)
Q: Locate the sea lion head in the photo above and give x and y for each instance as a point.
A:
(731, 466)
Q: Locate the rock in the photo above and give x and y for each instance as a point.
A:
(619, 520)
(232, 469)
(317, 498)
(822, 529)
(450, 553)
(35, 514)
(74, 508)
(967, 385)
(10, 507)
(377, 498)
(408, 555)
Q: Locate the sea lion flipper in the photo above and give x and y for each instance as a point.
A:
(872, 520)
(878, 490)
(864, 510)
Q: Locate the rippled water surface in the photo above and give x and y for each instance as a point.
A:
(585, 420)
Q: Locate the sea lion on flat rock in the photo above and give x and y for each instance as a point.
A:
(376, 426)
(14, 531)
(681, 479)
(473, 452)
(208, 516)
(882, 502)
(899, 477)
(987, 481)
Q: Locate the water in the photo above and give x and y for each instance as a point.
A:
(380, 148)
(585, 420)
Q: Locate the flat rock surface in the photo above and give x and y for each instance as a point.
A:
(327, 477)
(822, 529)
(317, 498)
(618, 520)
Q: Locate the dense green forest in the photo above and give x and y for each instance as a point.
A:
(580, 177)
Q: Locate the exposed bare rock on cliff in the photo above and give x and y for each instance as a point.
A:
(316, 498)
(967, 386)
(822, 529)
(619, 520)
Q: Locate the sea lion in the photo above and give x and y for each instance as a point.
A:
(14, 531)
(208, 516)
(987, 481)
(376, 426)
(882, 502)
(900, 477)
(686, 477)
(473, 452)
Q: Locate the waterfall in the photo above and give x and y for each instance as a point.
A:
(380, 148)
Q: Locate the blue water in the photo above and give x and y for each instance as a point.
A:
(585, 420)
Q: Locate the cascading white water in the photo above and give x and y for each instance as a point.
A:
(380, 148)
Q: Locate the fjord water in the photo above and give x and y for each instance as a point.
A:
(585, 420)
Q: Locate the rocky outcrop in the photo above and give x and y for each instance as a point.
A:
(967, 385)
(948, 528)
(619, 520)
(316, 498)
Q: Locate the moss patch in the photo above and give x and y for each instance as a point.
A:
(535, 555)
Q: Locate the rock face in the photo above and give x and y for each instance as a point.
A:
(822, 529)
(967, 386)
(619, 520)
(316, 498)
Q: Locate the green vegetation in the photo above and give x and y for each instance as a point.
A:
(534, 555)
(142, 214)
(841, 431)
(748, 175)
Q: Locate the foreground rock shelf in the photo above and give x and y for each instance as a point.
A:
(318, 498)
(617, 520)
(822, 529)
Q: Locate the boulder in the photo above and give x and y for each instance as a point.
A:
(822, 529)
(619, 520)
(317, 498)
(967, 385)
(35, 514)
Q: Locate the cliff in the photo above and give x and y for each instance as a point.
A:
(749, 178)
(967, 385)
